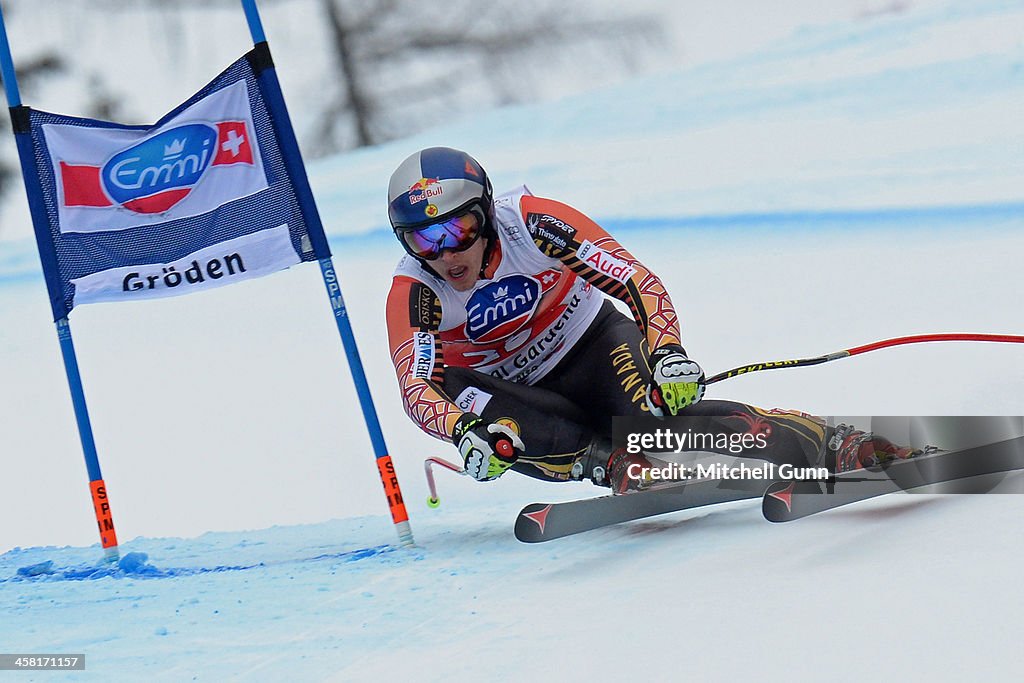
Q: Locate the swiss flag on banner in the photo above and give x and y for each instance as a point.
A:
(232, 144)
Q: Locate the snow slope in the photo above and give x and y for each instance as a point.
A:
(852, 182)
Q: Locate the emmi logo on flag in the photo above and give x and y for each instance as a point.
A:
(153, 175)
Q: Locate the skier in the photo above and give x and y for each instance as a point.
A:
(505, 345)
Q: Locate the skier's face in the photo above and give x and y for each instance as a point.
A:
(461, 269)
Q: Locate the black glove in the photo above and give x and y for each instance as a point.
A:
(488, 449)
(676, 381)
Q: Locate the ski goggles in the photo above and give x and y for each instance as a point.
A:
(458, 233)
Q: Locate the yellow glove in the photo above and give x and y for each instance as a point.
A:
(676, 381)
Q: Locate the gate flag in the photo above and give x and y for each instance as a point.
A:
(202, 198)
(213, 193)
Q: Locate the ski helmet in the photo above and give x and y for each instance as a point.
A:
(437, 185)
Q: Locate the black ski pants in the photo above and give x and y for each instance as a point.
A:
(569, 412)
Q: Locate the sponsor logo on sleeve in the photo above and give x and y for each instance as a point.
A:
(550, 232)
(473, 400)
(424, 308)
(423, 355)
(603, 262)
(558, 224)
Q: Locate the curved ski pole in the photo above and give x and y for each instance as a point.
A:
(433, 501)
(503, 447)
(874, 346)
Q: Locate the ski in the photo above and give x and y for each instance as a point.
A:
(785, 501)
(539, 522)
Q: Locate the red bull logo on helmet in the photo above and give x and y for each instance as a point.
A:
(425, 188)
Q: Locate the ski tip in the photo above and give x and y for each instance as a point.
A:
(532, 523)
(780, 501)
(777, 504)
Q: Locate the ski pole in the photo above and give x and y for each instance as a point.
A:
(433, 501)
(857, 350)
(503, 447)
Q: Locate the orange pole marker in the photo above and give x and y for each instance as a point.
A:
(399, 515)
(104, 519)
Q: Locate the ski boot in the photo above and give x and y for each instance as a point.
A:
(631, 472)
(609, 467)
(856, 449)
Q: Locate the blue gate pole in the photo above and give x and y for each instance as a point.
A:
(385, 467)
(98, 490)
(290, 150)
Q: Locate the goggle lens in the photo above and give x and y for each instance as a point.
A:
(458, 234)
